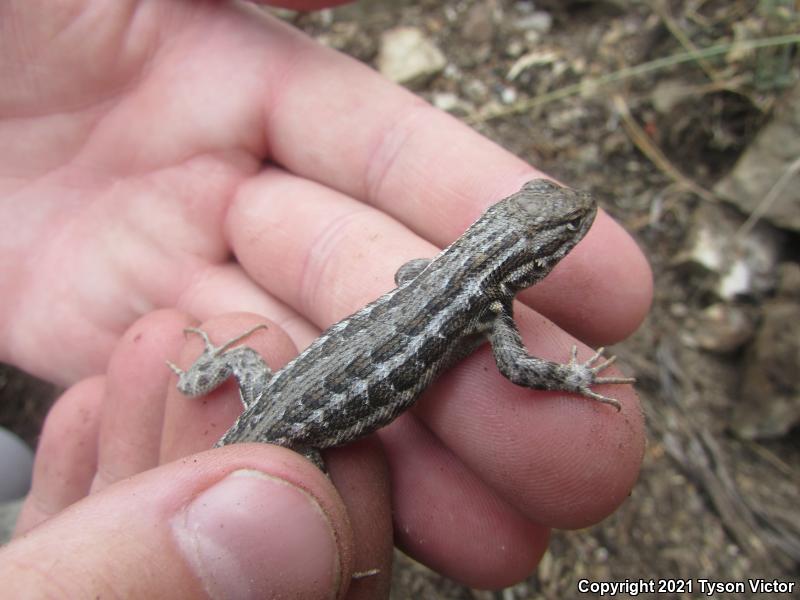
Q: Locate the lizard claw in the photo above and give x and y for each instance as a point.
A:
(597, 356)
(175, 368)
(213, 350)
(209, 346)
(595, 369)
(615, 380)
(600, 398)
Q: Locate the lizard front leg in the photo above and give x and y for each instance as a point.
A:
(216, 364)
(410, 270)
(521, 368)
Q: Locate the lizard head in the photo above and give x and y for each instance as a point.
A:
(518, 240)
(536, 228)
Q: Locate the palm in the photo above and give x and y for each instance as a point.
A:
(141, 142)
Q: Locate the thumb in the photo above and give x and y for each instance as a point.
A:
(245, 521)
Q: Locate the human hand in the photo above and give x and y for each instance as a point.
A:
(146, 186)
(249, 520)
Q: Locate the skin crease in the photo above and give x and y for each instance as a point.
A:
(142, 187)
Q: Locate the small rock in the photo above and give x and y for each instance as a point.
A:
(408, 57)
(667, 94)
(508, 95)
(451, 103)
(569, 117)
(324, 17)
(532, 38)
(769, 167)
(350, 37)
(589, 154)
(789, 281)
(476, 90)
(723, 328)
(538, 21)
(743, 264)
(478, 24)
(678, 309)
(452, 71)
(514, 48)
(769, 405)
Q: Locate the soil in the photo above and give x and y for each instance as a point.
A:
(710, 504)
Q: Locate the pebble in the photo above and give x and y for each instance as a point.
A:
(408, 57)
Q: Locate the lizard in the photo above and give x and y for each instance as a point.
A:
(365, 370)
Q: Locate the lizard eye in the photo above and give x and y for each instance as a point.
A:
(574, 224)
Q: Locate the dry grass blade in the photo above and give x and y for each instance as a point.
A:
(769, 198)
(662, 10)
(654, 153)
(635, 71)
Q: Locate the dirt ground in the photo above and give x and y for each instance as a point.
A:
(560, 84)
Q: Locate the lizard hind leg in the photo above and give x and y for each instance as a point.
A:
(315, 457)
(216, 364)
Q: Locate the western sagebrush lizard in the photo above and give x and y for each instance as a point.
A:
(368, 368)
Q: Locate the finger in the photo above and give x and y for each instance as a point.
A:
(562, 460)
(372, 140)
(605, 278)
(360, 474)
(450, 520)
(133, 414)
(317, 258)
(66, 459)
(245, 521)
(303, 241)
(195, 424)
(358, 470)
(226, 288)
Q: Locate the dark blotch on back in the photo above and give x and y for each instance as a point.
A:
(354, 325)
(405, 376)
(380, 354)
(359, 406)
(337, 382)
(431, 350)
(415, 325)
(438, 304)
(328, 346)
(380, 393)
(379, 310)
(360, 366)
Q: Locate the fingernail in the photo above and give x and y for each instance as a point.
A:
(256, 536)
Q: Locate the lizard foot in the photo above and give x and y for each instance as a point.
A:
(591, 371)
(216, 363)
